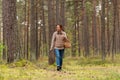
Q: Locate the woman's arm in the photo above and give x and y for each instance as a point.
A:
(66, 39)
(52, 42)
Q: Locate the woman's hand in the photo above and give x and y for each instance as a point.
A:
(51, 49)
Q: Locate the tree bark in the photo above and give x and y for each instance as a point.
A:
(51, 24)
(103, 30)
(33, 31)
(95, 44)
(85, 31)
(10, 28)
(62, 13)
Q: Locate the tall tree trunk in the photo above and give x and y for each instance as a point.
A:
(74, 35)
(33, 32)
(108, 30)
(57, 12)
(119, 24)
(36, 24)
(44, 27)
(117, 27)
(114, 28)
(26, 29)
(85, 31)
(10, 29)
(62, 13)
(103, 30)
(95, 44)
(79, 38)
(51, 24)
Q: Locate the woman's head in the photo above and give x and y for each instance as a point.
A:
(59, 27)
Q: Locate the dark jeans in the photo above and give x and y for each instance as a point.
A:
(59, 56)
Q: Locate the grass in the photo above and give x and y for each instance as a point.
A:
(73, 69)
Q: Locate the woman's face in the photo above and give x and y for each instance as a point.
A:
(58, 28)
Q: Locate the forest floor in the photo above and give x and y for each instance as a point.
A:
(73, 69)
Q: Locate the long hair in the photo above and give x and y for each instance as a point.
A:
(61, 27)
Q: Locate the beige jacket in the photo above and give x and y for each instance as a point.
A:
(58, 40)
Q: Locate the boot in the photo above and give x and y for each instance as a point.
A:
(58, 68)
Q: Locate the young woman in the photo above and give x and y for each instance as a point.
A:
(58, 39)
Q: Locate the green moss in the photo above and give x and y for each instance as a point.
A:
(95, 61)
(21, 63)
(93, 69)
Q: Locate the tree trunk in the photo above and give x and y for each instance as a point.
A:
(108, 30)
(114, 28)
(85, 31)
(103, 30)
(26, 29)
(44, 27)
(57, 12)
(74, 35)
(51, 24)
(95, 44)
(33, 32)
(62, 13)
(10, 28)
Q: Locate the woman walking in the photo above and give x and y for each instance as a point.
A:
(58, 39)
